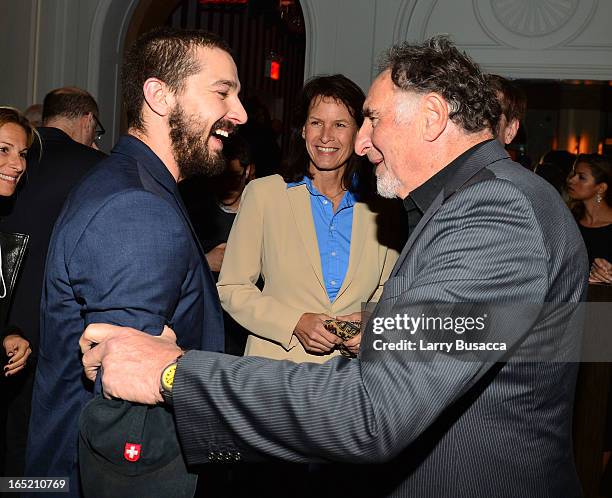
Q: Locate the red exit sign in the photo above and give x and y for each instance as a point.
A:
(275, 70)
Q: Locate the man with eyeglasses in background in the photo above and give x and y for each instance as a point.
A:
(70, 127)
(98, 132)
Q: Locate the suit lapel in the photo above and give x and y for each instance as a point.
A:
(299, 200)
(183, 210)
(358, 239)
(469, 173)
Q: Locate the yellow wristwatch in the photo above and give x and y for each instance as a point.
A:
(167, 381)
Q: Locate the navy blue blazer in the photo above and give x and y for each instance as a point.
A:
(123, 252)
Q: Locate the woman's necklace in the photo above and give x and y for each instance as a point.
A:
(332, 197)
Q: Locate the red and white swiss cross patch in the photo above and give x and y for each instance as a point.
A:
(131, 452)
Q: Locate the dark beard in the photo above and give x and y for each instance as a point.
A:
(190, 148)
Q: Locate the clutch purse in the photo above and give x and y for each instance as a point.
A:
(345, 330)
(12, 250)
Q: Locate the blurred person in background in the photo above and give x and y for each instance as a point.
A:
(555, 166)
(261, 133)
(513, 104)
(34, 114)
(212, 204)
(509, 132)
(74, 112)
(588, 187)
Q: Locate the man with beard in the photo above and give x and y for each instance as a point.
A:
(123, 250)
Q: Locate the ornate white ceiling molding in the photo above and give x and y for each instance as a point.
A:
(534, 24)
(412, 20)
(519, 38)
(529, 18)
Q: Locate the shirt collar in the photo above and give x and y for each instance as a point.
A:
(348, 200)
(423, 196)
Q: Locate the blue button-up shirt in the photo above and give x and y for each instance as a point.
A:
(333, 234)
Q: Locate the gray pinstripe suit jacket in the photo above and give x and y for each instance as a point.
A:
(489, 427)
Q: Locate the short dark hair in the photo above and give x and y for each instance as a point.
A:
(68, 102)
(562, 159)
(512, 99)
(436, 65)
(341, 89)
(165, 53)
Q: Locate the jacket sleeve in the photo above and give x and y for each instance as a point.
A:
(260, 313)
(129, 264)
(370, 409)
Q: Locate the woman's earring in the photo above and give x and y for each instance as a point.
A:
(598, 198)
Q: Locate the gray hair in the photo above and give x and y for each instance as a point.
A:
(438, 66)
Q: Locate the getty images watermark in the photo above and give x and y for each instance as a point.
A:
(413, 325)
(487, 332)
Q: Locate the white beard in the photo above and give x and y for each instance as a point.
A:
(387, 185)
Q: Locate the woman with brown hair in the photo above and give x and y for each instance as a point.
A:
(312, 234)
(589, 187)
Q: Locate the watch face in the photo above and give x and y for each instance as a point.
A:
(168, 377)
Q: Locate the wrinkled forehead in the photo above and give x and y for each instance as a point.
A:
(382, 87)
(385, 97)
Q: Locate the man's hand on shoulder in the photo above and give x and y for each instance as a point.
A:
(131, 361)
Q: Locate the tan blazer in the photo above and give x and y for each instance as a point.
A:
(274, 235)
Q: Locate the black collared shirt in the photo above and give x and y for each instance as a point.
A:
(419, 200)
